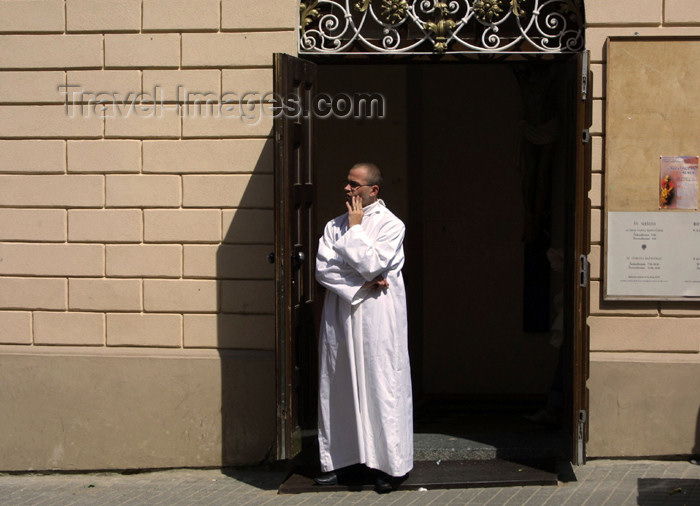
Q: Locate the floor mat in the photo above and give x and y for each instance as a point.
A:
(435, 475)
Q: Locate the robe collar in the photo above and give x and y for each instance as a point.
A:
(374, 207)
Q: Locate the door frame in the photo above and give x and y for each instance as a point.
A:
(576, 415)
(580, 354)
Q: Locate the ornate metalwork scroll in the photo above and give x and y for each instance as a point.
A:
(441, 26)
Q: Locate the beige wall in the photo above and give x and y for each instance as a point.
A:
(643, 398)
(137, 325)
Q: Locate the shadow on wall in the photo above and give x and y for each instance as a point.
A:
(245, 319)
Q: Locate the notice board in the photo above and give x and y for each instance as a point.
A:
(652, 249)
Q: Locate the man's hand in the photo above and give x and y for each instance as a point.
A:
(377, 283)
(355, 212)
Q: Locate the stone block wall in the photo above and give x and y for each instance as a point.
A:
(134, 231)
(637, 345)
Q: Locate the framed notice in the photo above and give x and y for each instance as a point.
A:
(651, 224)
(653, 255)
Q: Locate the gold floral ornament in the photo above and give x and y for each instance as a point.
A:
(361, 6)
(309, 13)
(486, 10)
(441, 27)
(515, 7)
(394, 11)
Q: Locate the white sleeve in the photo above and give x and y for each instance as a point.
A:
(371, 257)
(333, 272)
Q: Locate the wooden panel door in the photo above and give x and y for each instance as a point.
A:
(295, 248)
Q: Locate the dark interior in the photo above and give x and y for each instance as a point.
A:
(477, 161)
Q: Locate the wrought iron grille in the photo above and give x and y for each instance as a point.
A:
(434, 26)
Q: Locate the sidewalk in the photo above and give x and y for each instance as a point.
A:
(599, 482)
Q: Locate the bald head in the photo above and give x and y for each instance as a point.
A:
(374, 175)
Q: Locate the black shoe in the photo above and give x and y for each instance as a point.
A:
(329, 478)
(383, 483)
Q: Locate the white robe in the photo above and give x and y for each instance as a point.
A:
(365, 401)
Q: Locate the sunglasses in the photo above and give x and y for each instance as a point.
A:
(354, 184)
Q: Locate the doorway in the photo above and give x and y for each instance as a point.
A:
(479, 161)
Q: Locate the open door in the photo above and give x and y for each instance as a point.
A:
(294, 248)
(577, 416)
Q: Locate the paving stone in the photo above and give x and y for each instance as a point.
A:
(598, 483)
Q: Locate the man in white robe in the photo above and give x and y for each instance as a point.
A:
(365, 400)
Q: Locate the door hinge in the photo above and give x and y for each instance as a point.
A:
(580, 438)
(584, 75)
(586, 136)
(584, 271)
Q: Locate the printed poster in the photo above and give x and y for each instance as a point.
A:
(678, 182)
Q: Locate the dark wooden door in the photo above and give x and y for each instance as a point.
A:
(295, 248)
(577, 415)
